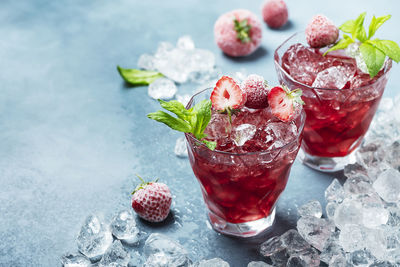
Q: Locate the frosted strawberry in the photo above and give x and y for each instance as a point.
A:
(321, 32)
(152, 201)
(275, 13)
(227, 95)
(284, 102)
(256, 89)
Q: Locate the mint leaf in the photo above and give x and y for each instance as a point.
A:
(348, 26)
(359, 31)
(376, 23)
(139, 77)
(210, 144)
(174, 123)
(374, 58)
(177, 108)
(242, 29)
(342, 44)
(390, 48)
(203, 111)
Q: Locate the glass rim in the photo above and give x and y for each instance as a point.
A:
(194, 139)
(318, 88)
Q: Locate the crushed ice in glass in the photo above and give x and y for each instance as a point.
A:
(162, 88)
(243, 133)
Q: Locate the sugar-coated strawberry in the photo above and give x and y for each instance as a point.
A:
(275, 13)
(227, 95)
(284, 102)
(238, 32)
(256, 89)
(152, 201)
(321, 32)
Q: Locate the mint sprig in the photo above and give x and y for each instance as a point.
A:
(243, 30)
(374, 51)
(139, 77)
(193, 120)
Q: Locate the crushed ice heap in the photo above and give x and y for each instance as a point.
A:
(362, 227)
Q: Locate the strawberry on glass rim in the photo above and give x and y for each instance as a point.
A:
(284, 103)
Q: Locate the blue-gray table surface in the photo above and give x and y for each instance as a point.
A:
(73, 136)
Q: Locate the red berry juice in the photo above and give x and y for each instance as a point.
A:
(242, 179)
(340, 100)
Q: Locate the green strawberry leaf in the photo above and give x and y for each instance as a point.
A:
(374, 58)
(174, 123)
(139, 77)
(342, 44)
(242, 29)
(389, 48)
(376, 23)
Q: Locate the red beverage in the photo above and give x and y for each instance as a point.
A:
(340, 100)
(243, 177)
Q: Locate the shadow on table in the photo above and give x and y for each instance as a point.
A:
(258, 54)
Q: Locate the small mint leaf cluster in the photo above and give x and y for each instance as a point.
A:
(139, 77)
(374, 51)
(243, 30)
(193, 120)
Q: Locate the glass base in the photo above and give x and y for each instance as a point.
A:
(246, 229)
(326, 164)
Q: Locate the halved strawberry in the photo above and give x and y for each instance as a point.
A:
(284, 102)
(227, 95)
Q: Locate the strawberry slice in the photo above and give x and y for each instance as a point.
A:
(227, 95)
(284, 102)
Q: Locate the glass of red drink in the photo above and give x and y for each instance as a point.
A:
(241, 181)
(340, 100)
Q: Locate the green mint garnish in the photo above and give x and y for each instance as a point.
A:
(193, 120)
(139, 77)
(243, 30)
(374, 51)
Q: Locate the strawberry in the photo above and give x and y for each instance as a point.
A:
(227, 95)
(256, 89)
(284, 102)
(321, 32)
(152, 201)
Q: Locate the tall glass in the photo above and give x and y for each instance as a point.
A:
(337, 119)
(241, 190)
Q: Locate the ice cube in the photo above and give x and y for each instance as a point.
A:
(394, 216)
(94, 238)
(309, 256)
(136, 259)
(374, 216)
(146, 62)
(355, 169)
(162, 88)
(116, 255)
(181, 148)
(163, 49)
(243, 133)
(296, 261)
(258, 264)
(348, 212)
(205, 76)
(330, 209)
(312, 208)
(75, 260)
(272, 246)
(357, 185)
(361, 257)
(338, 261)
(218, 127)
(334, 192)
(124, 228)
(315, 231)
(335, 77)
(386, 104)
(388, 185)
(331, 248)
(185, 42)
(239, 76)
(216, 262)
(161, 248)
(392, 155)
(280, 134)
(352, 237)
(184, 99)
(294, 242)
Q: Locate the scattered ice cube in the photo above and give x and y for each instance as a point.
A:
(216, 262)
(243, 133)
(137, 260)
(374, 216)
(312, 208)
(361, 258)
(330, 209)
(162, 88)
(75, 260)
(163, 48)
(94, 238)
(315, 231)
(272, 246)
(331, 248)
(334, 192)
(181, 148)
(309, 256)
(357, 185)
(123, 227)
(355, 169)
(294, 242)
(386, 104)
(388, 185)
(352, 237)
(338, 261)
(160, 248)
(116, 255)
(392, 155)
(146, 62)
(185, 42)
(184, 99)
(348, 212)
(296, 261)
(258, 264)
